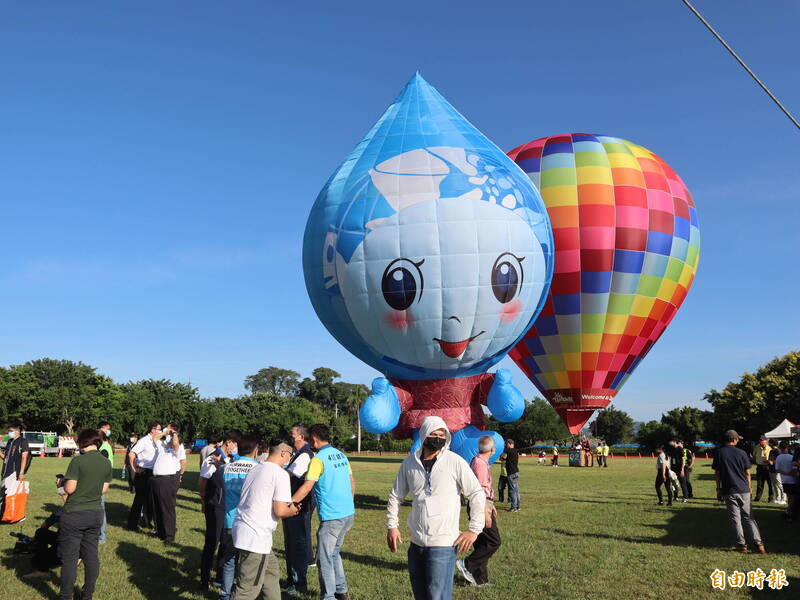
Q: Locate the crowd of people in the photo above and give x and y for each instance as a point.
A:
(247, 487)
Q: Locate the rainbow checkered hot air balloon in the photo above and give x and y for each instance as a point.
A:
(626, 252)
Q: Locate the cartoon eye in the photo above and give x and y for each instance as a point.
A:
(507, 277)
(402, 283)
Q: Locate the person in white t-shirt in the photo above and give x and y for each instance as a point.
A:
(788, 475)
(168, 468)
(266, 497)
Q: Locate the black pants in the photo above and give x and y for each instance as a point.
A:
(687, 475)
(502, 484)
(142, 501)
(666, 483)
(682, 484)
(129, 475)
(45, 550)
(297, 543)
(762, 475)
(215, 519)
(485, 546)
(77, 538)
(165, 492)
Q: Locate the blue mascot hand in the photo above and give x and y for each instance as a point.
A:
(464, 442)
(381, 411)
(505, 401)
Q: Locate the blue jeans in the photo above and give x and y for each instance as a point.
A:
(330, 537)
(513, 490)
(431, 571)
(102, 537)
(297, 543)
(227, 564)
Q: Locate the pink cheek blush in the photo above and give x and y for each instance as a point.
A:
(510, 311)
(397, 319)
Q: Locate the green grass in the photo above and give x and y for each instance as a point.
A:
(582, 534)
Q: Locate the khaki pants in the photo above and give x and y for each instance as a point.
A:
(257, 576)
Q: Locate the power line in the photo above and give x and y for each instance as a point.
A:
(741, 62)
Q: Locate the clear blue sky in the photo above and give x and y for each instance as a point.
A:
(159, 159)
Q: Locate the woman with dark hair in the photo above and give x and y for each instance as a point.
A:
(86, 480)
(662, 475)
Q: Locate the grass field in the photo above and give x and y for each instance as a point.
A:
(582, 534)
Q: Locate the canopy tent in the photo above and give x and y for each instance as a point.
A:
(784, 430)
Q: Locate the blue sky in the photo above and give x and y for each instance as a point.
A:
(159, 161)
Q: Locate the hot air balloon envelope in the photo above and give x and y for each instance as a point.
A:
(427, 255)
(627, 244)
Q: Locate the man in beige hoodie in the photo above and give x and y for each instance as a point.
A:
(434, 477)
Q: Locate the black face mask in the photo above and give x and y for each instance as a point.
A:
(434, 443)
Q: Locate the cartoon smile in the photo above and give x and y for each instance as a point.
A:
(455, 349)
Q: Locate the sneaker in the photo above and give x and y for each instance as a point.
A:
(660, 503)
(341, 596)
(313, 564)
(467, 575)
(684, 500)
(486, 584)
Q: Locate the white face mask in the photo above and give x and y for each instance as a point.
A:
(108, 433)
(168, 439)
(61, 491)
(133, 439)
(12, 433)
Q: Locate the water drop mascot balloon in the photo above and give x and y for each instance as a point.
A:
(427, 255)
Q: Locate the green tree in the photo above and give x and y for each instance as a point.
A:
(687, 423)
(758, 401)
(613, 425)
(321, 389)
(274, 380)
(652, 434)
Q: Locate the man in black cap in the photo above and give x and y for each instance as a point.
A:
(732, 467)
(761, 458)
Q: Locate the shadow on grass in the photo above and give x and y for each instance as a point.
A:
(372, 561)
(768, 593)
(369, 502)
(702, 526)
(20, 564)
(176, 570)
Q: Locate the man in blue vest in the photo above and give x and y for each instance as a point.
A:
(331, 478)
(233, 476)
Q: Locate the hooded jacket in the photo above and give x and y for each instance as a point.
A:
(436, 507)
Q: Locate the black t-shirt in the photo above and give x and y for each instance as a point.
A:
(732, 464)
(428, 463)
(676, 459)
(14, 450)
(512, 461)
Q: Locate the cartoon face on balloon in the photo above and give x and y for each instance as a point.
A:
(447, 267)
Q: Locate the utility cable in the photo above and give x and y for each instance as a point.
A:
(741, 62)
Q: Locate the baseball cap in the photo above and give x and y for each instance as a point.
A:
(732, 436)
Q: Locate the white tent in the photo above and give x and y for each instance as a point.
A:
(781, 431)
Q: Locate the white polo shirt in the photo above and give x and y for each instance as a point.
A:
(255, 521)
(145, 451)
(168, 460)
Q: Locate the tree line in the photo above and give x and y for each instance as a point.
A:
(65, 396)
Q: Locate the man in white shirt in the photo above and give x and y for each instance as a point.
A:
(168, 468)
(297, 529)
(141, 459)
(266, 497)
(434, 476)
